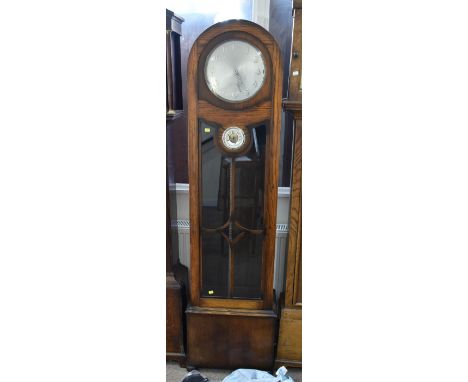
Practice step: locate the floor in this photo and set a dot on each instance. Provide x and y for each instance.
(175, 373)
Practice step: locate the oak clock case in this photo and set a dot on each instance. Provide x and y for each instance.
(289, 349)
(234, 106)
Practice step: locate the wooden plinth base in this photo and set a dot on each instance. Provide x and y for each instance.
(289, 351)
(230, 338)
(174, 326)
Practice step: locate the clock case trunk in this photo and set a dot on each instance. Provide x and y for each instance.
(233, 332)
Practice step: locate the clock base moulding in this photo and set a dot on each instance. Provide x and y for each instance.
(231, 338)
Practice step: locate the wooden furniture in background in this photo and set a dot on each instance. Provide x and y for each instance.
(174, 101)
(231, 318)
(174, 303)
(280, 27)
(289, 351)
(175, 291)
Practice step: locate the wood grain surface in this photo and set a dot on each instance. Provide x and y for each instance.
(227, 340)
(293, 269)
(233, 332)
(289, 351)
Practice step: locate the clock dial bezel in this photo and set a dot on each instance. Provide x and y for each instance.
(229, 151)
(264, 92)
(228, 142)
(208, 82)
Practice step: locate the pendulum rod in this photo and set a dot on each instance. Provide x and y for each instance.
(232, 207)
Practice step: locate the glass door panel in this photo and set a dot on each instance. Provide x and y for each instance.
(232, 232)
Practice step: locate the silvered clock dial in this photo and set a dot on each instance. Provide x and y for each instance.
(233, 138)
(235, 71)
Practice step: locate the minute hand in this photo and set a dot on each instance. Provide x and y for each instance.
(239, 79)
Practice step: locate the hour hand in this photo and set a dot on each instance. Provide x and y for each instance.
(239, 80)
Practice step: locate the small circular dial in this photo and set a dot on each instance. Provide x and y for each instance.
(233, 138)
(235, 71)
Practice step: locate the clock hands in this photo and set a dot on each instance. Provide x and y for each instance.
(239, 80)
(235, 71)
(233, 136)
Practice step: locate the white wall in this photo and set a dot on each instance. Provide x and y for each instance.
(261, 13)
(182, 190)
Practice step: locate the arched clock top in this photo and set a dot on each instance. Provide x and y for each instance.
(249, 77)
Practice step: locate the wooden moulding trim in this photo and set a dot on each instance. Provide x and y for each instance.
(171, 282)
(297, 4)
(272, 177)
(295, 81)
(295, 227)
(255, 114)
(294, 107)
(231, 312)
(291, 313)
(298, 264)
(169, 82)
(175, 356)
(239, 26)
(173, 22)
(288, 363)
(230, 303)
(193, 174)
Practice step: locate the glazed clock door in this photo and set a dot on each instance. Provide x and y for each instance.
(232, 211)
(234, 106)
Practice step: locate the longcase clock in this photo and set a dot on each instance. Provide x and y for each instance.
(289, 352)
(234, 118)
